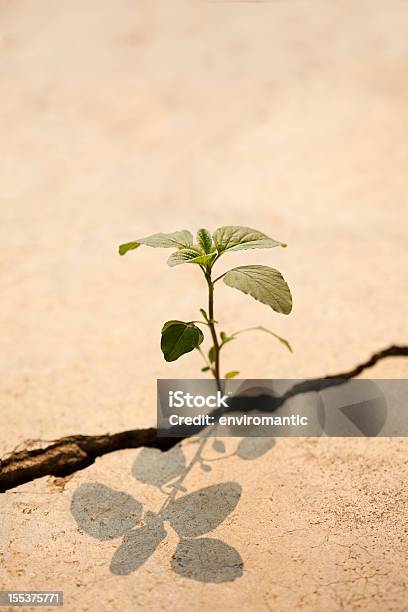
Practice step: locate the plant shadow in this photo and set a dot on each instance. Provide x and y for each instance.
(106, 514)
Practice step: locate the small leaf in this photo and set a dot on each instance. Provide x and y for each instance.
(205, 467)
(205, 369)
(205, 315)
(232, 374)
(154, 467)
(236, 238)
(218, 446)
(189, 255)
(284, 341)
(182, 238)
(204, 240)
(211, 355)
(183, 255)
(225, 339)
(206, 259)
(179, 338)
(128, 246)
(264, 284)
(207, 560)
(104, 513)
(202, 511)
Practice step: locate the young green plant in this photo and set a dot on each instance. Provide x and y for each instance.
(263, 283)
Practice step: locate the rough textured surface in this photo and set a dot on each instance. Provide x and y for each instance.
(35, 458)
(319, 525)
(119, 119)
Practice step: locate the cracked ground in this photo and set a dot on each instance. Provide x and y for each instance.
(120, 120)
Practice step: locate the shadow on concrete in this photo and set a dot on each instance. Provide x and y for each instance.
(105, 513)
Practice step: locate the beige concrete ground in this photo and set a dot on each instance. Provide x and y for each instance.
(119, 119)
(320, 525)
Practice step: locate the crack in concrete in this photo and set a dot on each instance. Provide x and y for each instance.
(72, 453)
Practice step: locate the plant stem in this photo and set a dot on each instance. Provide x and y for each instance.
(266, 330)
(219, 278)
(215, 370)
(211, 325)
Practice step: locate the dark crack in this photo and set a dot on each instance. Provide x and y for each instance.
(67, 455)
(391, 351)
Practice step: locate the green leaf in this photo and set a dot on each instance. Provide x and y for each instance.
(205, 369)
(128, 246)
(183, 255)
(182, 238)
(237, 238)
(265, 284)
(231, 374)
(205, 315)
(211, 355)
(225, 338)
(204, 240)
(178, 338)
(206, 259)
(189, 255)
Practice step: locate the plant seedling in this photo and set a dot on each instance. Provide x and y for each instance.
(263, 283)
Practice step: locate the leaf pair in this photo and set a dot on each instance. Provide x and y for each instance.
(263, 283)
(208, 247)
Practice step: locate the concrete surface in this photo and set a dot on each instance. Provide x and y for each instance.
(327, 532)
(120, 119)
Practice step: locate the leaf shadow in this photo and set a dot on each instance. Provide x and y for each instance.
(105, 513)
(137, 546)
(202, 511)
(207, 560)
(152, 466)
